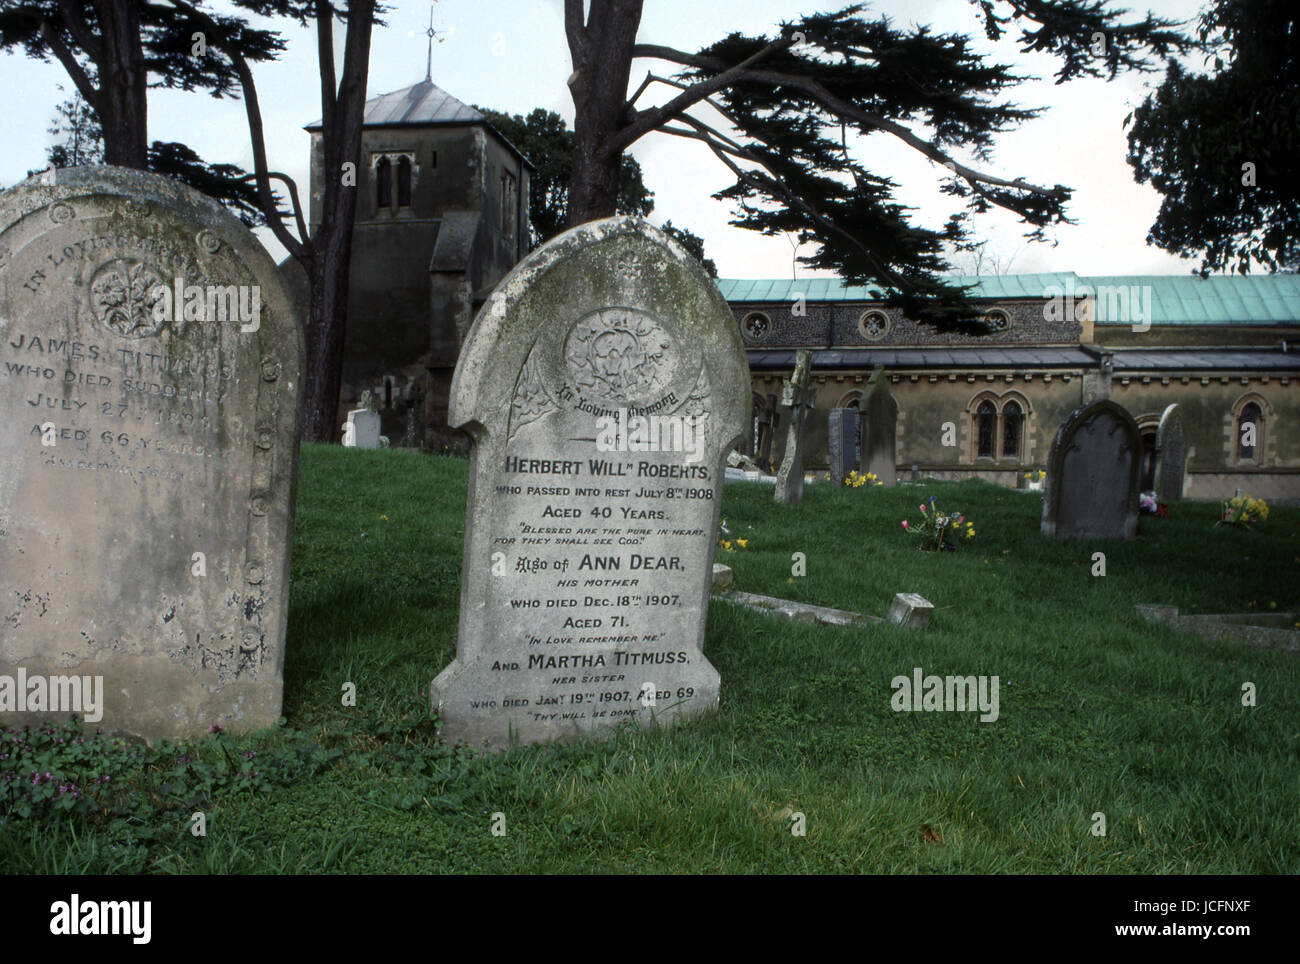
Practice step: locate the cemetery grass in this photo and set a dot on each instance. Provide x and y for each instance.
(1099, 712)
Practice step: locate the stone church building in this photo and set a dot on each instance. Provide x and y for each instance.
(442, 215)
(1223, 348)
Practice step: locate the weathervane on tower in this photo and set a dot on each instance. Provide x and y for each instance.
(430, 33)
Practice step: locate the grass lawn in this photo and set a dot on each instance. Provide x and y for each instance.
(1099, 712)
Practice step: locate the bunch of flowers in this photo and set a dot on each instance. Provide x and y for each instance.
(855, 479)
(1036, 476)
(938, 529)
(725, 542)
(1147, 503)
(1243, 510)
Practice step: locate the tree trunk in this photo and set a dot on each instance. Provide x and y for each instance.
(602, 62)
(332, 243)
(123, 86)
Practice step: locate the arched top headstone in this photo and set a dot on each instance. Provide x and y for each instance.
(602, 384)
(1171, 455)
(1091, 489)
(148, 452)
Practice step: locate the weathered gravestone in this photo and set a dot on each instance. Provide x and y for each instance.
(879, 428)
(796, 400)
(362, 428)
(602, 385)
(148, 456)
(1171, 455)
(842, 442)
(1091, 488)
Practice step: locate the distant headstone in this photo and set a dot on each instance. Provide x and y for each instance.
(842, 442)
(362, 429)
(602, 385)
(879, 428)
(1092, 475)
(148, 453)
(1171, 455)
(796, 400)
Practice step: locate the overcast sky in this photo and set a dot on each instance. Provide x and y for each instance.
(511, 55)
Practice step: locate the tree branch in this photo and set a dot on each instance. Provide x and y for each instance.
(721, 148)
(79, 76)
(329, 92)
(300, 249)
(834, 105)
(575, 31)
(80, 30)
(647, 120)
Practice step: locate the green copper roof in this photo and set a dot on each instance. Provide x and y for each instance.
(1174, 299)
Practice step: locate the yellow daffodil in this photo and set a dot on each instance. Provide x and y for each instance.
(743, 543)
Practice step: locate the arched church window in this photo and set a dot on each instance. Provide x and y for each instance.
(1012, 421)
(384, 183)
(404, 182)
(986, 418)
(1250, 424)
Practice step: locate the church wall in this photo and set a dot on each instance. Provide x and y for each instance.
(927, 399)
(840, 325)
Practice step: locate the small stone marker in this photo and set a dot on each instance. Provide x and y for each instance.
(796, 399)
(601, 385)
(1091, 490)
(1171, 456)
(148, 454)
(910, 610)
(362, 428)
(842, 442)
(879, 428)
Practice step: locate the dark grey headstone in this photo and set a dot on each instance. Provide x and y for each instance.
(1092, 475)
(842, 442)
(1171, 455)
(879, 428)
(145, 537)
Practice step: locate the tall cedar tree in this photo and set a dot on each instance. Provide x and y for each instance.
(792, 97)
(114, 51)
(1194, 137)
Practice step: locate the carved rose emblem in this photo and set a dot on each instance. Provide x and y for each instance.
(123, 295)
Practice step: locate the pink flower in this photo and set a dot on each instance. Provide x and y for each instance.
(904, 523)
(922, 506)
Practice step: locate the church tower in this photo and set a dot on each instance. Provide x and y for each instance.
(442, 215)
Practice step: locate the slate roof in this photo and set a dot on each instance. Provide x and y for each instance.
(1182, 300)
(1009, 356)
(423, 104)
(1216, 360)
